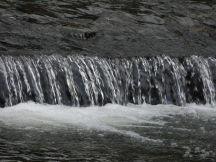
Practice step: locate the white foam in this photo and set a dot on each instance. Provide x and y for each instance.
(110, 117)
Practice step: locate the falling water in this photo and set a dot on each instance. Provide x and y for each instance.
(84, 81)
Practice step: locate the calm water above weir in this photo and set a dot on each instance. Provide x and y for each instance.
(108, 28)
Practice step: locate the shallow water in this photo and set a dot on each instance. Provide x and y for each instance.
(120, 27)
(34, 132)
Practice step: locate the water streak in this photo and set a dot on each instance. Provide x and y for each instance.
(83, 81)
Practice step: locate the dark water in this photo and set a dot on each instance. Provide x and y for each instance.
(108, 28)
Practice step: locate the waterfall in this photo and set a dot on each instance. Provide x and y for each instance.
(83, 80)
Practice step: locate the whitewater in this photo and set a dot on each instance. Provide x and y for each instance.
(33, 131)
(111, 117)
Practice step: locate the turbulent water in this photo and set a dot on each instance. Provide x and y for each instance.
(84, 81)
(111, 113)
(35, 132)
(104, 80)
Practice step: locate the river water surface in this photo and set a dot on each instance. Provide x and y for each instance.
(108, 28)
(35, 132)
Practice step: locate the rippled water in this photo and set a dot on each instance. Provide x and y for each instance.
(117, 28)
(35, 132)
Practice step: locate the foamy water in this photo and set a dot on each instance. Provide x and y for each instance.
(111, 117)
(109, 132)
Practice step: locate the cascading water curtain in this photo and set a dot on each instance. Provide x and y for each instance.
(83, 81)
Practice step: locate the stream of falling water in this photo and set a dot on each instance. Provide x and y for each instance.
(84, 81)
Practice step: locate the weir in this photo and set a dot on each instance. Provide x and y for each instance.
(83, 80)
